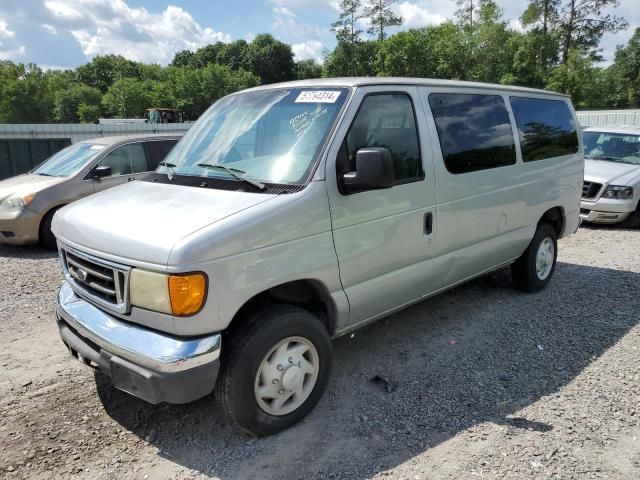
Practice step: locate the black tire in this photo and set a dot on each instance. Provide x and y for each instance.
(633, 221)
(523, 271)
(242, 353)
(46, 236)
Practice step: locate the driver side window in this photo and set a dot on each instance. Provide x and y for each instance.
(388, 121)
(126, 159)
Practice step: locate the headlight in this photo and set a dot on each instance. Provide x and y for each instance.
(17, 202)
(618, 192)
(179, 295)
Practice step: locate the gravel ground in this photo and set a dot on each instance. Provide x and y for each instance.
(491, 383)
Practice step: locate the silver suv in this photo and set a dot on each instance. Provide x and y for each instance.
(293, 213)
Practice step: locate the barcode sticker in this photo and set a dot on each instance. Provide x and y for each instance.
(318, 96)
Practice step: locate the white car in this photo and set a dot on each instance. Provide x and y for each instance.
(611, 187)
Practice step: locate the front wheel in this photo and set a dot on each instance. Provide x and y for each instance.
(534, 269)
(46, 236)
(274, 370)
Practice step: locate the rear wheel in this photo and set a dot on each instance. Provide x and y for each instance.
(534, 269)
(47, 238)
(274, 370)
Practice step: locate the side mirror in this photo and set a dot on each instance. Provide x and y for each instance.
(102, 171)
(374, 171)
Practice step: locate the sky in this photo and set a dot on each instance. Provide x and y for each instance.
(67, 33)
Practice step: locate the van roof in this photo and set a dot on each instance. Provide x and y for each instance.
(366, 81)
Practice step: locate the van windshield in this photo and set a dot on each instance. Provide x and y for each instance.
(69, 161)
(270, 136)
(614, 147)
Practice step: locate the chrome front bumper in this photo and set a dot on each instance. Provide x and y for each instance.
(151, 365)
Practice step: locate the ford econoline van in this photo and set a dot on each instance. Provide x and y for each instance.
(293, 213)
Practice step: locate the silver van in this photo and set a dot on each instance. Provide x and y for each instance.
(293, 213)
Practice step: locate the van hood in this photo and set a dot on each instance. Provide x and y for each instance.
(611, 173)
(142, 221)
(27, 184)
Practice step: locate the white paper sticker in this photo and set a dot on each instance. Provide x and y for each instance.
(96, 147)
(318, 96)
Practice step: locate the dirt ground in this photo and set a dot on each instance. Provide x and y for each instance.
(491, 383)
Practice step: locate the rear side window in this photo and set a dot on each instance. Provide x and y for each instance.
(388, 121)
(157, 150)
(474, 131)
(546, 128)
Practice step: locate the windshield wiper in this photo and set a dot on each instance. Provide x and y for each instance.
(171, 168)
(608, 159)
(234, 172)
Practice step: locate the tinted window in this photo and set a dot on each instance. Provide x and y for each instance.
(474, 131)
(387, 121)
(546, 128)
(126, 160)
(158, 149)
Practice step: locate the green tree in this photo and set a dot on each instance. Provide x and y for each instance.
(538, 50)
(363, 60)
(270, 59)
(491, 42)
(127, 98)
(381, 16)
(206, 55)
(233, 55)
(25, 96)
(582, 24)
(308, 69)
(68, 101)
(624, 75)
(580, 79)
(346, 27)
(183, 58)
(89, 113)
(103, 70)
(465, 12)
(194, 90)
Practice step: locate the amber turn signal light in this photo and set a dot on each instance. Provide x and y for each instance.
(187, 293)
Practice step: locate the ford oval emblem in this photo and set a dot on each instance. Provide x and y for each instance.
(82, 275)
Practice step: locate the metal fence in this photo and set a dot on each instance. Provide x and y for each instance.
(25, 146)
(608, 118)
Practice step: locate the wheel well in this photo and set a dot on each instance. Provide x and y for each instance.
(554, 217)
(51, 211)
(308, 294)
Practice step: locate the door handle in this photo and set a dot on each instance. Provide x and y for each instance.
(428, 223)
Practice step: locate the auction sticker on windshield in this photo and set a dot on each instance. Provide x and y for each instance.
(318, 96)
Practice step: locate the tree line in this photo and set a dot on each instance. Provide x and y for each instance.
(558, 48)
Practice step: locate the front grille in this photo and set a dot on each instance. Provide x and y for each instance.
(590, 189)
(98, 280)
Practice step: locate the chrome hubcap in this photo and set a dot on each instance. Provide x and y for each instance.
(286, 376)
(544, 258)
